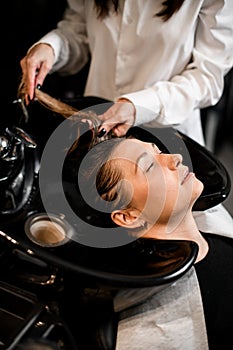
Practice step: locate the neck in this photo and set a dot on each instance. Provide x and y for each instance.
(185, 230)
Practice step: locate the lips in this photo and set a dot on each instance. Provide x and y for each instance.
(185, 175)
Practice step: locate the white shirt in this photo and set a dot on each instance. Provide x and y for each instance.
(172, 68)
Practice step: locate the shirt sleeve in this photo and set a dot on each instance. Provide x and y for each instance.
(201, 82)
(69, 40)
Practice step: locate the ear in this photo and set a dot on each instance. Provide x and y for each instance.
(127, 218)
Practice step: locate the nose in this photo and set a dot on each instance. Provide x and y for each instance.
(175, 161)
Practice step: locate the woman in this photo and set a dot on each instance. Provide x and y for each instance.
(151, 195)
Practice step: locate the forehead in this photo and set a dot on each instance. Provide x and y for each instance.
(130, 149)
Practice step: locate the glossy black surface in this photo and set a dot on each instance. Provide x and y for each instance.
(142, 263)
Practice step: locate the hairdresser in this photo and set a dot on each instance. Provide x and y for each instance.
(169, 57)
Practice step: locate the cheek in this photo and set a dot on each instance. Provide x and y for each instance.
(173, 193)
(187, 195)
(140, 195)
(176, 197)
(155, 197)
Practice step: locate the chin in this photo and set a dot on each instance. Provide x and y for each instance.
(197, 189)
(200, 186)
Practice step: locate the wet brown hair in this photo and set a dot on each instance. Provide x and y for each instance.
(67, 111)
(103, 172)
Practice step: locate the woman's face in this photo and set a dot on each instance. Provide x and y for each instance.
(161, 187)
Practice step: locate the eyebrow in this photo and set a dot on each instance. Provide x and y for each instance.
(138, 159)
(154, 146)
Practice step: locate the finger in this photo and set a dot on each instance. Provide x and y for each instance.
(121, 130)
(89, 122)
(41, 74)
(102, 132)
(26, 100)
(30, 81)
(105, 128)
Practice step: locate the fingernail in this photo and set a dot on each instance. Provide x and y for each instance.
(38, 86)
(102, 133)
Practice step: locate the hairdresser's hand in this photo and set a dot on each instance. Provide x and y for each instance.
(35, 66)
(118, 118)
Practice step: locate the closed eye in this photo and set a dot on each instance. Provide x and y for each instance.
(157, 151)
(150, 167)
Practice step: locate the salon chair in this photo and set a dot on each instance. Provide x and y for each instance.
(62, 292)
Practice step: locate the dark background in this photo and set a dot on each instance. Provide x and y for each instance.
(27, 20)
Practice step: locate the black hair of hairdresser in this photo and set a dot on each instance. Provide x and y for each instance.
(169, 7)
